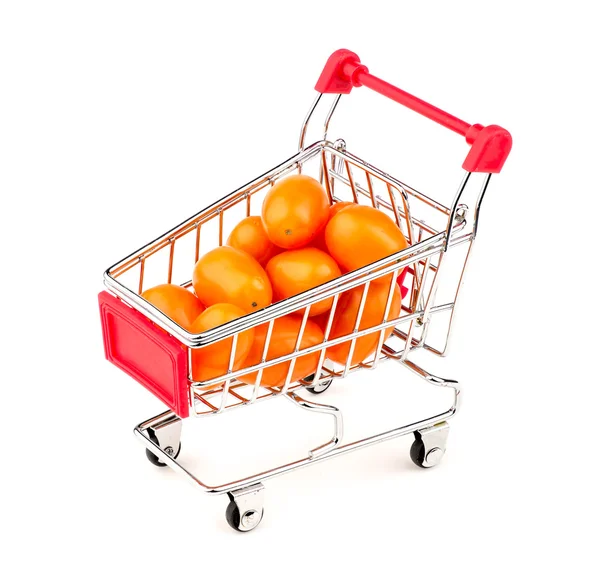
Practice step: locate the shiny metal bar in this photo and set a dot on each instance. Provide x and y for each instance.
(338, 426)
(191, 393)
(361, 307)
(171, 256)
(351, 180)
(317, 376)
(416, 279)
(422, 283)
(394, 206)
(225, 393)
(141, 282)
(296, 348)
(330, 178)
(370, 187)
(324, 178)
(141, 433)
(259, 374)
(444, 351)
(212, 407)
(221, 228)
(386, 314)
(418, 303)
(198, 226)
(410, 230)
(332, 109)
(325, 129)
(409, 341)
(306, 121)
(484, 187)
(453, 210)
(429, 303)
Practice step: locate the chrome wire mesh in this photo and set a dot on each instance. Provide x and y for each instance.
(423, 221)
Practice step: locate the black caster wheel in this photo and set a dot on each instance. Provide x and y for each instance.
(153, 458)
(417, 452)
(249, 522)
(319, 388)
(430, 454)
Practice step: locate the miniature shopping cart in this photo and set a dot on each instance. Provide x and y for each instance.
(156, 352)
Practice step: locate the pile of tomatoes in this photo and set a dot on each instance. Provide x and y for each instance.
(300, 241)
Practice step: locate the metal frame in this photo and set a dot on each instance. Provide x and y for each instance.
(332, 449)
(428, 248)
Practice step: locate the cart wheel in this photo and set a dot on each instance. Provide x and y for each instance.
(249, 522)
(154, 459)
(429, 445)
(320, 387)
(417, 452)
(245, 509)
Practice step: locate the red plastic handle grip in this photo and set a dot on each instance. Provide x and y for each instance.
(490, 145)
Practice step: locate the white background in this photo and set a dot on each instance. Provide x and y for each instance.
(120, 118)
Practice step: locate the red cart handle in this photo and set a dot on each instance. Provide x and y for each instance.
(490, 145)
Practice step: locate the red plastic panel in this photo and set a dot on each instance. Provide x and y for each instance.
(144, 351)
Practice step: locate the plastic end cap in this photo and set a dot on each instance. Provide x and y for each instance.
(340, 73)
(490, 148)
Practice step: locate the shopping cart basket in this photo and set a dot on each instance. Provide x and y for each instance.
(156, 352)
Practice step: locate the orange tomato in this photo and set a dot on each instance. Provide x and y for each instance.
(250, 236)
(359, 234)
(295, 271)
(373, 313)
(227, 275)
(319, 241)
(175, 302)
(283, 342)
(294, 211)
(213, 360)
